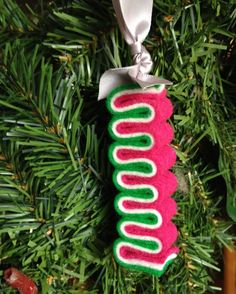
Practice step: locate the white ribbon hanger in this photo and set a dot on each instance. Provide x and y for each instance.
(134, 19)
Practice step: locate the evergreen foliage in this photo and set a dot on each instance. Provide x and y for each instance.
(57, 221)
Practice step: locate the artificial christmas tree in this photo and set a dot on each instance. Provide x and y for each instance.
(57, 221)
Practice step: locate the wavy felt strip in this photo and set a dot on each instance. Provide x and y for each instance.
(142, 158)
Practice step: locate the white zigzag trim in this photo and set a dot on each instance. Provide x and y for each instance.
(138, 262)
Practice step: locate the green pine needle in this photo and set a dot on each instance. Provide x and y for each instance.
(57, 221)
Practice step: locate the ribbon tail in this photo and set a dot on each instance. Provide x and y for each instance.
(146, 80)
(152, 82)
(113, 78)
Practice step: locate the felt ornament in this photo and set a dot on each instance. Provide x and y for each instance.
(141, 152)
(142, 158)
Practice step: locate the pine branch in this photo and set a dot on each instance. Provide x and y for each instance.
(56, 194)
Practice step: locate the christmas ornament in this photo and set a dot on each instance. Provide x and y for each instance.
(141, 154)
(19, 281)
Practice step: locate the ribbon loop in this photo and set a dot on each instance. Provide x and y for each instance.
(134, 19)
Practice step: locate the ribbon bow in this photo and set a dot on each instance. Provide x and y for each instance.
(134, 19)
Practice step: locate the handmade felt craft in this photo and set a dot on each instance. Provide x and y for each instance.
(142, 158)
